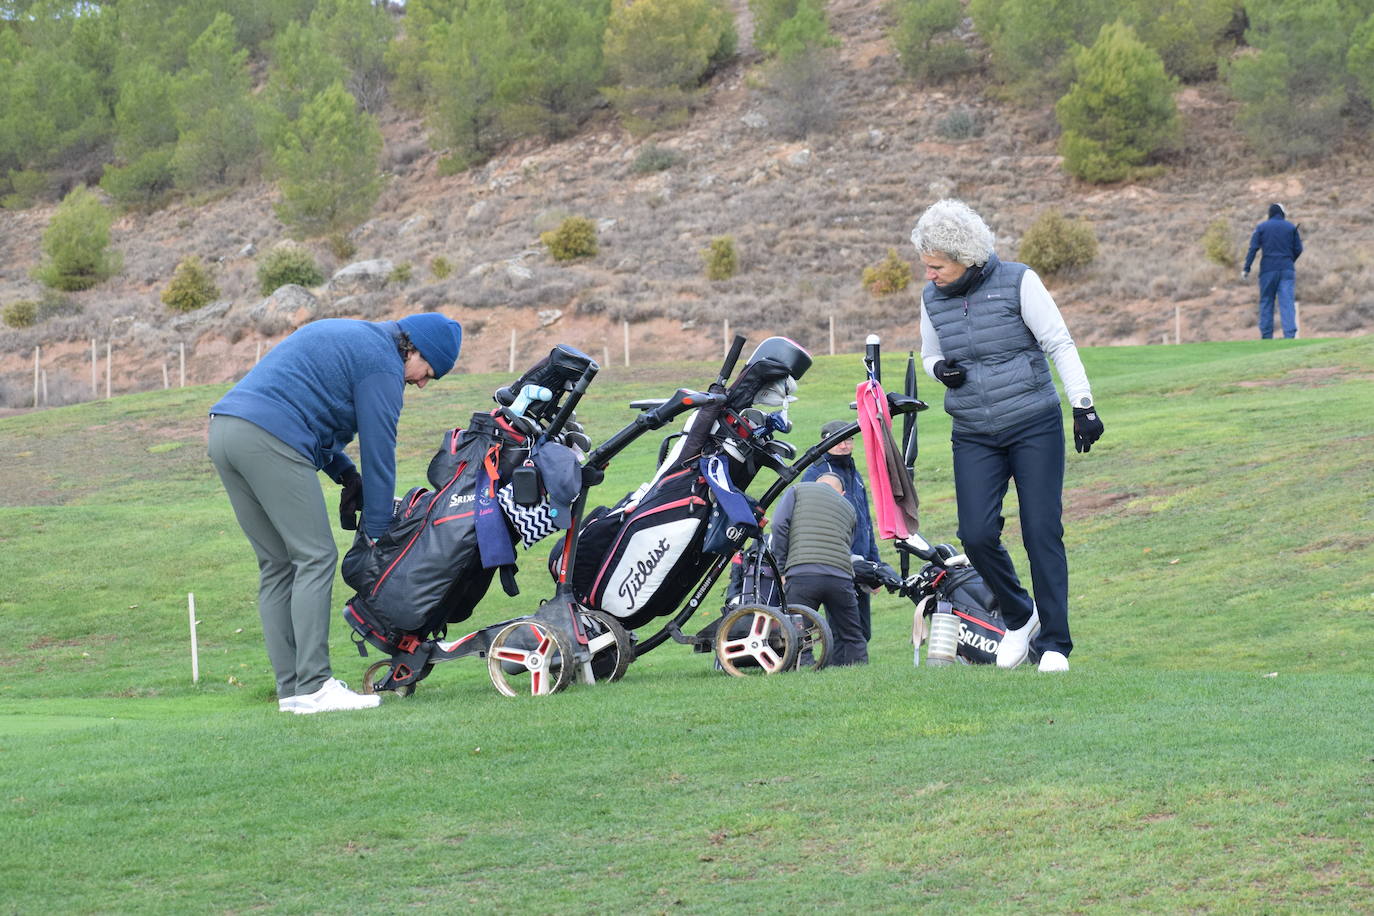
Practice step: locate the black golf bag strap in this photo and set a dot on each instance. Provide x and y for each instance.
(508, 579)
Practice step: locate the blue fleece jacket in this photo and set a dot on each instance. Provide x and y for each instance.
(325, 383)
(1281, 243)
(864, 544)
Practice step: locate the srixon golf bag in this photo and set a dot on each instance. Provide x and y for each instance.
(426, 571)
(449, 540)
(638, 559)
(970, 599)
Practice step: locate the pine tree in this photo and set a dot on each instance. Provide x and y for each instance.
(563, 66)
(216, 122)
(1120, 109)
(328, 165)
(659, 51)
(76, 243)
(473, 71)
(357, 33)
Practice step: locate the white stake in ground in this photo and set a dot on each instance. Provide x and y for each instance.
(195, 652)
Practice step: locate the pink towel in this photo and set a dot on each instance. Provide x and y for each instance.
(894, 493)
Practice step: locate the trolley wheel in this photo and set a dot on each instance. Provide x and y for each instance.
(377, 675)
(816, 640)
(530, 657)
(754, 639)
(610, 645)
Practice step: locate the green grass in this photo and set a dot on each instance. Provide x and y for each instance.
(1209, 752)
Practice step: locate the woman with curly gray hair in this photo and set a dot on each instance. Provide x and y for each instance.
(986, 328)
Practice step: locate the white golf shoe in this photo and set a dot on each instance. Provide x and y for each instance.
(1054, 661)
(1015, 644)
(334, 695)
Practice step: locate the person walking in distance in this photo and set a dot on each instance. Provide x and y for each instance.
(290, 418)
(812, 530)
(987, 326)
(1282, 246)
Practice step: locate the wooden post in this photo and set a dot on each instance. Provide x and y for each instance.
(166, 383)
(183, 363)
(1297, 319)
(45, 387)
(605, 355)
(95, 382)
(108, 349)
(625, 326)
(37, 361)
(511, 367)
(832, 335)
(195, 649)
(725, 336)
(259, 358)
(1178, 325)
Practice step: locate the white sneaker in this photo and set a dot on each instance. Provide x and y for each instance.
(1054, 661)
(288, 704)
(334, 695)
(1015, 644)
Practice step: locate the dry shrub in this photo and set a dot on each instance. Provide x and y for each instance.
(722, 261)
(1217, 243)
(1053, 244)
(574, 238)
(891, 275)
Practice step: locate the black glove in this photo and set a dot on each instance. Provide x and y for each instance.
(1087, 428)
(351, 499)
(949, 373)
(888, 577)
(865, 574)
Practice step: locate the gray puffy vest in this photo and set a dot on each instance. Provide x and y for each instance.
(821, 529)
(1008, 375)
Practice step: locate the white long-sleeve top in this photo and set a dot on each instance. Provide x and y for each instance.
(1041, 315)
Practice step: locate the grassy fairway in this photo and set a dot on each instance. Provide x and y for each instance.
(1210, 750)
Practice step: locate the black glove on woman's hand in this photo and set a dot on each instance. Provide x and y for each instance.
(351, 499)
(1087, 428)
(949, 373)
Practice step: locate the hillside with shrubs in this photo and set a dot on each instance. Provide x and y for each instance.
(202, 177)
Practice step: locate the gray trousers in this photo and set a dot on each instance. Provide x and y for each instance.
(276, 495)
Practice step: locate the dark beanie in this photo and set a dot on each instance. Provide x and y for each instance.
(833, 426)
(1277, 210)
(437, 337)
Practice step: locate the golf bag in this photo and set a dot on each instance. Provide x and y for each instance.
(969, 598)
(427, 570)
(449, 540)
(638, 559)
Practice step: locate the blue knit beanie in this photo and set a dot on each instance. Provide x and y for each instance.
(437, 337)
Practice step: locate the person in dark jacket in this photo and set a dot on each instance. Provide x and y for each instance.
(289, 418)
(1282, 246)
(986, 328)
(839, 461)
(811, 533)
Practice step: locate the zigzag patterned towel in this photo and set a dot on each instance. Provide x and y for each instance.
(534, 523)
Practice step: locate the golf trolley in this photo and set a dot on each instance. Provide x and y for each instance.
(664, 547)
(410, 588)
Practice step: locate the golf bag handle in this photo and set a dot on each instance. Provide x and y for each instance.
(566, 410)
(732, 357)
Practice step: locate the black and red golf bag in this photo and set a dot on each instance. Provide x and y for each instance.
(449, 540)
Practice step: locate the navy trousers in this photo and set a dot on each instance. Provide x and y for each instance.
(835, 593)
(984, 464)
(1278, 284)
